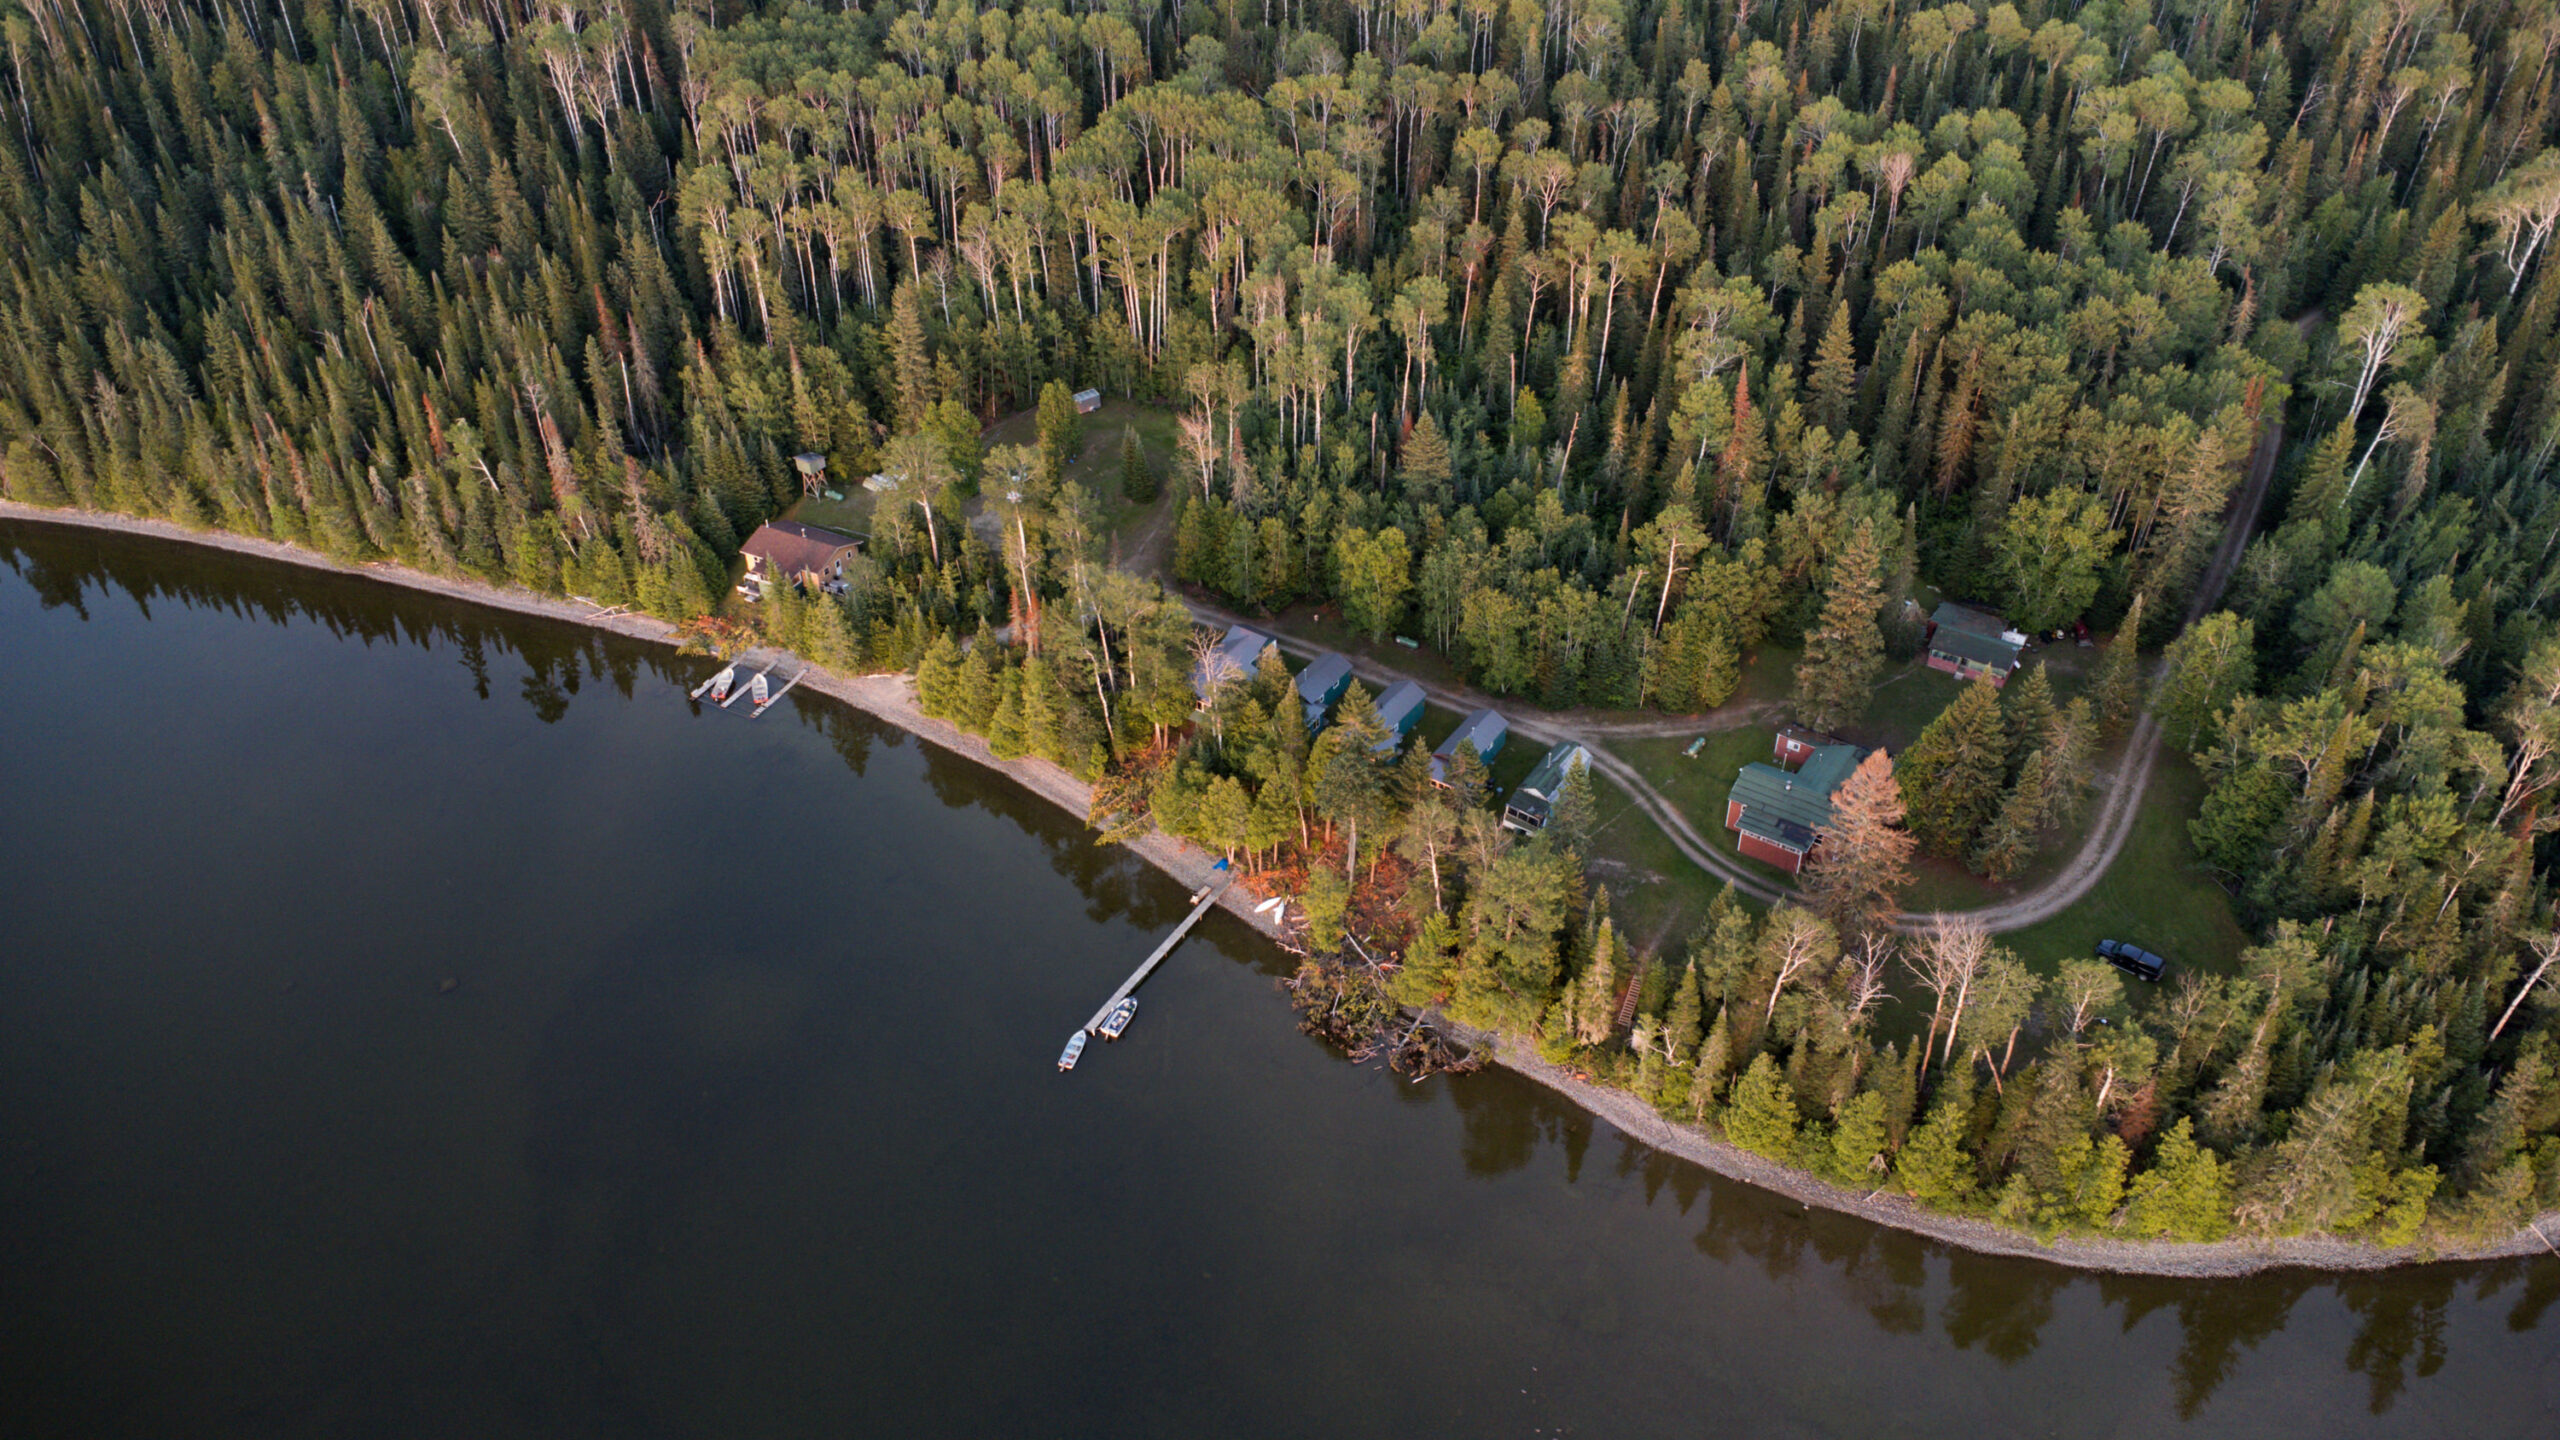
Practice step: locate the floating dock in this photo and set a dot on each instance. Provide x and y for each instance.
(755, 683)
(767, 702)
(1219, 880)
(717, 687)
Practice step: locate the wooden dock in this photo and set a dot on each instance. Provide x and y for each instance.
(1218, 883)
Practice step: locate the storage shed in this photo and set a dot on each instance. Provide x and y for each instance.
(1088, 401)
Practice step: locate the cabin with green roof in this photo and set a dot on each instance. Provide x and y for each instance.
(1533, 804)
(1777, 815)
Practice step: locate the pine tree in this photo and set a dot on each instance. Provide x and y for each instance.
(1863, 862)
(1844, 650)
(1951, 776)
(2185, 1194)
(1933, 1166)
(2118, 682)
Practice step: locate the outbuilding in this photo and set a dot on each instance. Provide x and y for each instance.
(1088, 401)
(1485, 729)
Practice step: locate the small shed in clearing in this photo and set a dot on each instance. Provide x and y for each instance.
(1233, 659)
(1399, 709)
(788, 550)
(1088, 401)
(1965, 642)
(1485, 729)
(1322, 683)
(1533, 804)
(1779, 816)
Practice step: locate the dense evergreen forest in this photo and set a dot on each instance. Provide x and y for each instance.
(1595, 343)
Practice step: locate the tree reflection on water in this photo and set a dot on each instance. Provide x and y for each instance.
(1997, 1307)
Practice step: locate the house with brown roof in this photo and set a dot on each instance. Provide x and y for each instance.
(787, 549)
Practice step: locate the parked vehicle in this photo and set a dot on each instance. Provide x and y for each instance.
(2132, 959)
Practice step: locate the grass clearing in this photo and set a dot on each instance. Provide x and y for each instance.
(2154, 895)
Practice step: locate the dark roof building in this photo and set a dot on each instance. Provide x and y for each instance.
(1778, 815)
(1485, 729)
(1533, 804)
(1399, 709)
(787, 549)
(1322, 683)
(1234, 659)
(1965, 642)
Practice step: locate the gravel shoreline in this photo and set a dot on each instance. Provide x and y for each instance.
(891, 698)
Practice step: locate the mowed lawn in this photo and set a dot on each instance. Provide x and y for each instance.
(2154, 895)
(1096, 463)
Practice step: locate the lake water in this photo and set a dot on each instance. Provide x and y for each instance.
(421, 1021)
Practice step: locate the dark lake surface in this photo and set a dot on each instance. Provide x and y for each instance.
(421, 1021)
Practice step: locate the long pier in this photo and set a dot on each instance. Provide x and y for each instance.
(1217, 887)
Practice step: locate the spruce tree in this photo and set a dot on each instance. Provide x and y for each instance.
(1843, 651)
(1422, 472)
(2010, 840)
(2027, 710)
(1138, 483)
(1951, 776)
(1832, 383)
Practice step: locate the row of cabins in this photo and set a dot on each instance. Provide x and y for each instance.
(1239, 652)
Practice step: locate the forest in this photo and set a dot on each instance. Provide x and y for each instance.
(1478, 322)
